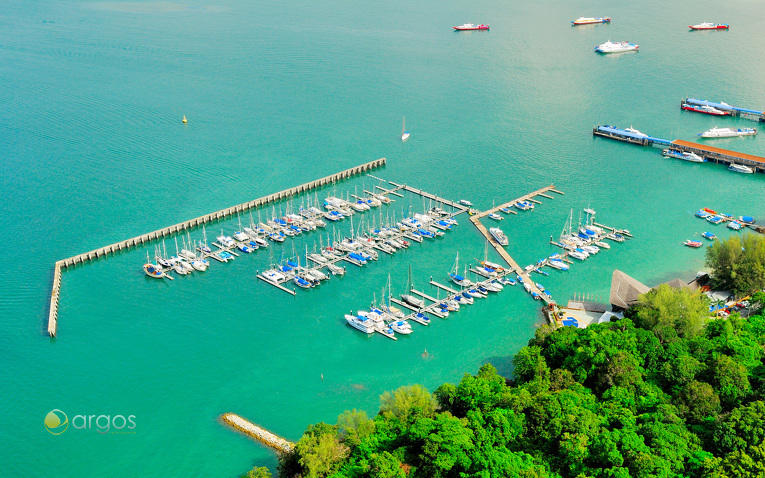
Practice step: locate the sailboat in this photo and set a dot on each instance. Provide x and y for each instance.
(408, 297)
(404, 132)
(456, 278)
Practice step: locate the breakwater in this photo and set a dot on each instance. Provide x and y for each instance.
(191, 223)
(264, 436)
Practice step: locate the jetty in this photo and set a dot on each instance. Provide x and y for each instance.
(191, 223)
(733, 110)
(709, 153)
(521, 272)
(263, 436)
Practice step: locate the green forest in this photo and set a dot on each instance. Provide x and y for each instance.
(665, 392)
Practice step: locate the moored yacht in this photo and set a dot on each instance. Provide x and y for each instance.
(360, 323)
(153, 270)
(499, 236)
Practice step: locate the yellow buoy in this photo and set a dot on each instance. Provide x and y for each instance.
(184, 119)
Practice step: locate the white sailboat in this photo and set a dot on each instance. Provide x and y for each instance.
(404, 132)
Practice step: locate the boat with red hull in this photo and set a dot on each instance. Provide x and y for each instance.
(471, 26)
(709, 26)
(707, 110)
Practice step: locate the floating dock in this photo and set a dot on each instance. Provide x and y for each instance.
(733, 110)
(263, 436)
(160, 233)
(710, 153)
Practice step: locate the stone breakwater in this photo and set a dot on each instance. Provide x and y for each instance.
(264, 436)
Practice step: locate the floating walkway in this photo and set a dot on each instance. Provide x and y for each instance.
(710, 153)
(215, 216)
(733, 110)
(264, 436)
(476, 220)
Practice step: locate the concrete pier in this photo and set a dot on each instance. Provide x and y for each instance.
(186, 225)
(264, 436)
(527, 197)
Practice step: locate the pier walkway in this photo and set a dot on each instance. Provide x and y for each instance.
(476, 220)
(527, 197)
(199, 221)
(710, 153)
(264, 436)
(420, 192)
(733, 110)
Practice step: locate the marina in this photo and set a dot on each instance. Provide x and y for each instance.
(183, 226)
(704, 151)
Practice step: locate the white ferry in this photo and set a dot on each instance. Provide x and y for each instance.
(684, 155)
(590, 20)
(727, 132)
(740, 168)
(616, 47)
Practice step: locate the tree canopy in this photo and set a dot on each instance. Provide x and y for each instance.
(669, 397)
(738, 263)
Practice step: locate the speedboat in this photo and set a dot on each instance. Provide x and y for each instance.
(590, 20)
(463, 298)
(616, 47)
(401, 327)
(499, 236)
(226, 241)
(413, 301)
(274, 276)
(300, 282)
(746, 220)
(335, 269)
(740, 168)
(361, 323)
(495, 216)
(702, 214)
(475, 294)
(706, 109)
(471, 26)
(727, 132)
(577, 255)
(524, 205)
(708, 235)
(694, 244)
(709, 26)
(735, 225)
(153, 270)
(465, 202)
(715, 219)
(684, 155)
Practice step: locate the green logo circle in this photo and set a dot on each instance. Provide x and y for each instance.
(56, 422)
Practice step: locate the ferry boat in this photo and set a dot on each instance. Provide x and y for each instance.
(361, 323)
(706, 109)
(471, 26)
(727, 132)
(590, 20)
(684, 155)
(709, 26)
(616, 47)
(740, 168)
(708, 235)
(694, 244)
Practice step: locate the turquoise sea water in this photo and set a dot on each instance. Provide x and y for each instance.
(93, 152)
